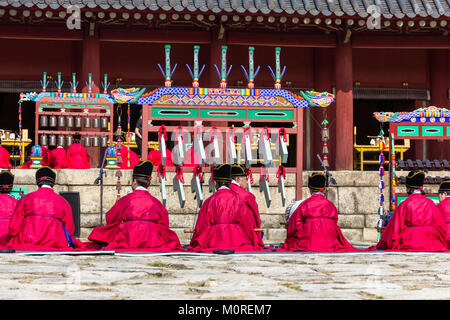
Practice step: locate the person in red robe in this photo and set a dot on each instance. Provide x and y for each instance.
(225, 222)
(58, 158)
(42, 220)
(191, 158)
(313, 225)
(128, 154)
(7, 203)
(138, 221)
(239, 185)
(77, 156)
(416, 224)
(155, 157)
(444, 207)
(4, 158)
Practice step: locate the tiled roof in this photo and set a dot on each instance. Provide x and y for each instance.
(357, 8)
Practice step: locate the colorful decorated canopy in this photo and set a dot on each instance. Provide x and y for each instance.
(429, 114)
(221, 97)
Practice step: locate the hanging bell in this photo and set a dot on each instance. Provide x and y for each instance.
(69, 140)
(87, 122)
(95, 123)
(61, 140)
(104, 123)
(95, 141)
(44, 121)
(61, 121)
(104, 141)
(52, 140)
(78, 122)
(43, 140)
(70, 121)
(52, 121)
(87, 141)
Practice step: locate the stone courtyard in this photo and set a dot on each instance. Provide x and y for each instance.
(296, 276)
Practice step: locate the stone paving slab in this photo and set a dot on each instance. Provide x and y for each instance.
(374, 275)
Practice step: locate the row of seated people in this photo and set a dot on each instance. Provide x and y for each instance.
(228, 219)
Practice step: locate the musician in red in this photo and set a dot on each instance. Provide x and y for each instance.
(128, 155)
(313, 225)
(225, 222)
(138, 221)
(156, 158)
(7, 203)
(444, 206)
(77, 156)
(4, 158)
(42, 220)
(239, 185)
(58, 158)
(416, 224)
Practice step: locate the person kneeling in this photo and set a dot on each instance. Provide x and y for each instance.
(416, 224)
(313, 225)
(138, 221)
(42, 220)
(225, 222)
(444, 207)
(7, 203)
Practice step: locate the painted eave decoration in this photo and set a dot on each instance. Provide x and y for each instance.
(223, 97)
(59, 97)
(429, 114)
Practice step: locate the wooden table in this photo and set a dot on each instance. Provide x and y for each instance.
(376, 148)
(17, 143)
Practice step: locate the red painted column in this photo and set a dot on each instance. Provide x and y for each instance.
(344, 104)
(439, 98)
(90, 60)
(323, 63)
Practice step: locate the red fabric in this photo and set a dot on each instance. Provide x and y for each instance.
(225, 223)
(77, 157)
(58, 158)
(191, 158)
(155, 157)
(250, 200)
(444, 207)
(45, 162)
(126, 154)
(416, 225)
(37, 222)
(4, 158)
(137, 221)
(313, 227)
(7, 205)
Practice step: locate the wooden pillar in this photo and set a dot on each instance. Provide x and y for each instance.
(90, 63)
(90, 60)
(322, 82)
(299, 163)
(439, 98)
(344, 104)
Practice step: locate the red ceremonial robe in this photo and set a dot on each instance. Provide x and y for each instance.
(138, 222)
(191, 158)
(225, 223)
(7, 205)
(58, 158)
(4, 158)
(444, 207)
(77, 157)
(155, 157)
(313, 227)
(250, 200)
(38, 220)
(416, 225)
(126, 154)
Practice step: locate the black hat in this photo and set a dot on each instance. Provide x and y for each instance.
(143, 170)
(222, 173)
(6, 179)
(444, 186)
(317, 181)
(415, 179)
(238, 171)
(45, 174)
